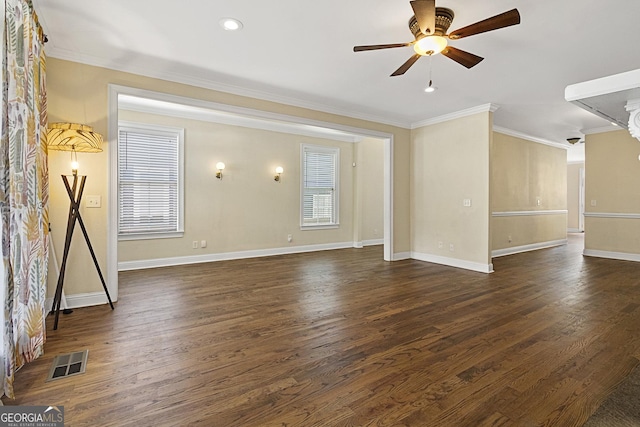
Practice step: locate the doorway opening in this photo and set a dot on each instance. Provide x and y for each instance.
(259, 118)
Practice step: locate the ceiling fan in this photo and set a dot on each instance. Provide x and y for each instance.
(429, 26)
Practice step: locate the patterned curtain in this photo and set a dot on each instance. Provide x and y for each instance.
(24, 190)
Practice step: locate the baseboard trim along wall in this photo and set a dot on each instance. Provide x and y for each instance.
(167, 262)
(574, 230)
(453, 262)
(400, 256)
(364, 243)
(527, 248)
(622, 256)
(80, 300)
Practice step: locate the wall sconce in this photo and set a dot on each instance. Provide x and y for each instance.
(220, 167)
(279, 171)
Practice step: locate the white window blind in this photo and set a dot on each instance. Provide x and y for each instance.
(149, 180)
(319, 185)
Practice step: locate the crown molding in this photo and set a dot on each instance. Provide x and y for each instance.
(204, 83)
(151, 106)
(601, 129)
(456, 115)
(531, 138)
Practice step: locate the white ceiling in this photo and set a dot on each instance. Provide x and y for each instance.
(300, 52)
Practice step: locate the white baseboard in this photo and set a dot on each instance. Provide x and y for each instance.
(196, 259)
(399, 256)
(373, 242)
(453, 262)
(574, 230)
(623, 256)
(80, 300)
(527, 248)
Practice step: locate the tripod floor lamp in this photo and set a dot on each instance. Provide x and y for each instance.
(74, 138)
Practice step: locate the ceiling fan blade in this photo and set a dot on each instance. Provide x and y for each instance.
(425, 12)
(461, 57)
(404, 67)
(506, 19)
(379, 46)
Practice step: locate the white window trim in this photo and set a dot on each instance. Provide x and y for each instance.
(336, 207)
(158, 128)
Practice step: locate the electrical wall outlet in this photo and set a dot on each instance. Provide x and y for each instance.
(93, 201)
(203, 243)
(194, 245)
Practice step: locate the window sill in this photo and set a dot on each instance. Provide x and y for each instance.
(319, 227)
(150, 236)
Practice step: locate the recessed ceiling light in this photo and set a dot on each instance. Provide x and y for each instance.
(230, 24)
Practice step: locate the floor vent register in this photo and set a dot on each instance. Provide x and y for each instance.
(67, 365)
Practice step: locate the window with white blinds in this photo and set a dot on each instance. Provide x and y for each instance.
(150, 181)
(320, 167)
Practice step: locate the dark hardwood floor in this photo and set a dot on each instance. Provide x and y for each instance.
(342, 338)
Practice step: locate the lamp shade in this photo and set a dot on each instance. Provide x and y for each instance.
(73, 137)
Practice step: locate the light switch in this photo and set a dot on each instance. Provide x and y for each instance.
(93, 201)
(466, 203)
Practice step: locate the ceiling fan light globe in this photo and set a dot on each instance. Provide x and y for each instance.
(430, 45)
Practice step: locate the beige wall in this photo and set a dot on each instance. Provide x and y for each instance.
(78, 93)
(528, 231)
(612, 172)
(370, 181)
(450, 163)
(573, 196)
(529, 183)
